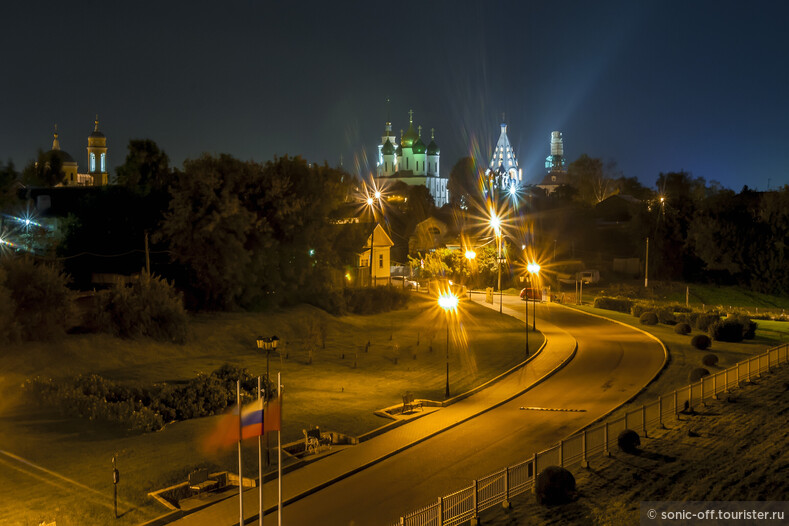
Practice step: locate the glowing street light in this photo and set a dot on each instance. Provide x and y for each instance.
(495, 224)
(267, 344)
(448, 302)
(373, 201)
(534, 270)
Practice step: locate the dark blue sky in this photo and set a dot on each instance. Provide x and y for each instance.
(655, 86)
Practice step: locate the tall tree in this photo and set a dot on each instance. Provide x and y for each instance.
(463, 182)
(146, 169)
(45, 170)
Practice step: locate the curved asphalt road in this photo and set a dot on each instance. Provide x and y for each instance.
(612, 364)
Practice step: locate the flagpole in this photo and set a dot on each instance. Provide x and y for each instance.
(260, 455)
(279, 453)
(240, 477)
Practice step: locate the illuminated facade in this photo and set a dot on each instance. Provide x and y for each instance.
(503, 171)
(411, 161)
(97, 174)
(555, 165)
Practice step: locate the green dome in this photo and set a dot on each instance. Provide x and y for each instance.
(64, 157)
(432, 148)
(388, 148)
(407, 141)
(399, 151)
(419, 146)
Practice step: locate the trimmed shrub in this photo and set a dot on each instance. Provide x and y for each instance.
(697, 374)
(628, 441)
(710, 360)
(748, 325)
(151, 307)
(42, 303)
(704, 320)
(682, 328)
(615, 304)
(648, 318)
(728, 330)
(701, 341)
(682, 318)
(640, 308)
(97, 398)
(681, 308)
(331, 301)
(554, 485)
(375, 300)
(666, 317)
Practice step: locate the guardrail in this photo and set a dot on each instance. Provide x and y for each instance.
(500, 486)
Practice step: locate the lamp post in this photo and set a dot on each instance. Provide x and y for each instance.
(527, 316)
(495, 223)
(371, 202)
(267, 344)
(534, 270)
(448, 302)
(470, 255)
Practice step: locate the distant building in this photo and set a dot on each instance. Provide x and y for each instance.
(503, 171)
(555, 165)
(97, 174)
(411, 161)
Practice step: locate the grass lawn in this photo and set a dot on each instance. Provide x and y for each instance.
(683, 357)
(338, 391)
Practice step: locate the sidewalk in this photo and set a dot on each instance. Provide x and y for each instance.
(559, 348)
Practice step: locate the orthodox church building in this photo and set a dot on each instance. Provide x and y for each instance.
(503, 171)
(411, 161)
(97, 174)
(555, 165)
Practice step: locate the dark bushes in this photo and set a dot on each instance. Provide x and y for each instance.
(701, 341)
(628, 441)
(648, 318)
(615, 304)
(682, 328)
(710, 360)
(733, 329)
(666, 317)
(554, 485)
(640, 308)
(375, 300)
(704, 320)
(97, 398)
(150, 307)
(36, 298)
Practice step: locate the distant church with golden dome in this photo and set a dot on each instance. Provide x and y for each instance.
(97, 174)
(411, 161)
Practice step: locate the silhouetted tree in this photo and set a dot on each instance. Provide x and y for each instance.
(146, 169)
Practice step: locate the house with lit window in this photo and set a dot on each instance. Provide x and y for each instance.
(381, 245)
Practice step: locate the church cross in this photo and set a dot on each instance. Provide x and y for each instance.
(411, 116)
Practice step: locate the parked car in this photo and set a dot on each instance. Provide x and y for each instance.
(531, 294)
(401, 281)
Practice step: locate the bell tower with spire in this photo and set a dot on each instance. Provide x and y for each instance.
(97, 156)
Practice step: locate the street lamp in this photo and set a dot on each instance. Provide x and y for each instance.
(533, 269)
(470, 255)
(448, 302)
(371, 202)
(267, 344)
(495, 224)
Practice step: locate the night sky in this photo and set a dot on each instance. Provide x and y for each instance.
(655, 86)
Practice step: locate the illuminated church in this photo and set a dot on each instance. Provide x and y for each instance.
(503, 171)
(411, 161)
(97, 174)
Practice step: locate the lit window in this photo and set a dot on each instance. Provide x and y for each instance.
(104, 162)
(92, 162)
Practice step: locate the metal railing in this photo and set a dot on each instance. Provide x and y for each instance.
(486, 492)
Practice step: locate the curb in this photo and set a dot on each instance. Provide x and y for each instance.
(338, 478)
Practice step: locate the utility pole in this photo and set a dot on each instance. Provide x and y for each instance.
(147, 256)
(646, 267)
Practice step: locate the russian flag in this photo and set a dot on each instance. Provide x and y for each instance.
(257, 418)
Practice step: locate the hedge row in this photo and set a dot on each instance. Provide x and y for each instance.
(372, 300)
(615, 304)
(97, 398)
